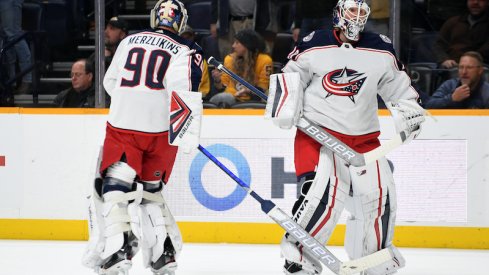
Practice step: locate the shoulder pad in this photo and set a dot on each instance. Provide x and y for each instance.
(318, 38)
(376, 41)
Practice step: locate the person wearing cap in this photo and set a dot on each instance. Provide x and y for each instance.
(247, 60)
(115, 31)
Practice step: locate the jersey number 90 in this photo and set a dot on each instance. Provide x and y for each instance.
(155, 69)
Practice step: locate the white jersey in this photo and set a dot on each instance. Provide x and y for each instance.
(146, 67)
(341, 81)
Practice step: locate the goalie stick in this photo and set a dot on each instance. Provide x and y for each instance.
(310, 245)
(322, 136)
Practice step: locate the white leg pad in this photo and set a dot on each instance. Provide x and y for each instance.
(324, 202)
(373, 211)
(291, 252)
(152, 223)
(91, 257)
(391, 266)
(108, 217)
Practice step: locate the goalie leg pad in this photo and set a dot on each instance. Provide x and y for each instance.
(161, 240)
(111, 242)
(319, 206)
(372, 207)
(324, 201)
(297, 262)
(391, 266)
(284, 103)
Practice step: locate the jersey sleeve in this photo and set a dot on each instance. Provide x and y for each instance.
(299, 62)
(185, 72)
(395, 83)
(197, 68)
(111, 74)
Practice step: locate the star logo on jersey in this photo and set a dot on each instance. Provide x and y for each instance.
(179, 114)
(343, 82)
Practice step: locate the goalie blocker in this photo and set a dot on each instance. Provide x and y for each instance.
(185, 120)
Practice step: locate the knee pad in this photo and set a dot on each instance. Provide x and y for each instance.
(391, 266)
(322, 199)
(372, 206)
(108, 216)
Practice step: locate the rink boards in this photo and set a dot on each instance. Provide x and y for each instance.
(47, 161)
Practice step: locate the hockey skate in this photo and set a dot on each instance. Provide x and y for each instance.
(166, 264)
(291, 268)
(120, 262)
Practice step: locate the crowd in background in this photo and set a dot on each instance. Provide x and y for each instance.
(446, 53)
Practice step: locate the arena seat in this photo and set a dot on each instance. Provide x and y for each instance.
(282, 46)
(199, 17)
(422, 75)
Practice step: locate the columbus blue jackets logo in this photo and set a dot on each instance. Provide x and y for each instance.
(343, 82)
(179, 115)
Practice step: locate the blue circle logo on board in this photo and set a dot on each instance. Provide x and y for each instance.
(196, 184)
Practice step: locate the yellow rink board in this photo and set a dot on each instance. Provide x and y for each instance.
(249, 233)
(221, 112)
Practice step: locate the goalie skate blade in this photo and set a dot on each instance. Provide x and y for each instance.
(120, 268)
(168, 269)
(364, 263)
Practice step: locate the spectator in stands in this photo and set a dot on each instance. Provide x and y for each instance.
(10, 29)
(467, 32)
(312, 15)
(469, 90)
(115, 30)
(231, 16)
(247, 60)
(205, 83)
(81, 94)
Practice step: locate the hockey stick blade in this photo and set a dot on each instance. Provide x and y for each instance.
(366, 262)
(319, 134)
(310, 245)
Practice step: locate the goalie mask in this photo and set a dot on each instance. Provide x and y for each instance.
(169, 13)
(351, 16)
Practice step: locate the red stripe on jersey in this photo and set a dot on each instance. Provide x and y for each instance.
(286, 92)
(333, 199)
(379, 209)
(190, 73)
(2, 160)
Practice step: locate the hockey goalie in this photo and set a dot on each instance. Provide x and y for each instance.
(153, 113)
(333, 78)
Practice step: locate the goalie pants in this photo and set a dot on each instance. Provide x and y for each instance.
(331, 185)
(149, 154)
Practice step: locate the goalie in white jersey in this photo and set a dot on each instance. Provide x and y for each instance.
(341, 73)
(153, 110)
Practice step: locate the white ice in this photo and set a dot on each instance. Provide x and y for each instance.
(63, 258)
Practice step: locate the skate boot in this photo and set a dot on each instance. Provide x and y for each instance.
(166, 264)
(291, 268)
(120, 262)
